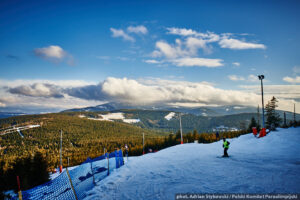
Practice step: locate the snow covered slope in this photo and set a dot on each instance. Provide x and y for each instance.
(266, 165)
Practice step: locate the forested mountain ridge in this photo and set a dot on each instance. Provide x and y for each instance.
(82, 138)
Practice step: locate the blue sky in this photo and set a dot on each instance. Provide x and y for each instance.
(67, 53)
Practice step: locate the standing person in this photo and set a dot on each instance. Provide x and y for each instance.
(217, 135)
(226, 147)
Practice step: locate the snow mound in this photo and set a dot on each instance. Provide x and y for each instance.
(170, 116)
(266, 165)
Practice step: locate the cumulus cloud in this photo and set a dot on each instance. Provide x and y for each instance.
(37, 90)
(193, 44)
(198, 62)
(296, 69)
(137, 29)
(295, 80)
(141, 92)
(151, 61)
(236, 78)
(54, 53)
(2, 104)
(182, 54)
(181, 31)
(170, 51)
(122, 34)
(250, 78)
(162, 92)
(231, 43)
(237, 64)
(208, 36)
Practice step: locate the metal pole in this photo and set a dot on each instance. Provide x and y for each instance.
(295, 114)
(60, 152)
(180, 128)
(262, 99)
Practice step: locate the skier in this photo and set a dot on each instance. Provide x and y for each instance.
(226, 147)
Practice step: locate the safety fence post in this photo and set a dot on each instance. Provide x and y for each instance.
(117, 159)
(19, 188)
(71, 184)
(93, 172)
(107, 156)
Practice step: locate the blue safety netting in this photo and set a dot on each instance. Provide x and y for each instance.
(83, 179)
(58, 188)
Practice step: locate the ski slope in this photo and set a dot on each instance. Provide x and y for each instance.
(266, 165)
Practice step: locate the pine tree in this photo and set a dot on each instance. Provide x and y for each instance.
(273, 118)
(39, 169)
(252, 124)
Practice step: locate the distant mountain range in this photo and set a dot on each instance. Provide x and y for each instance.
(205, 111)
(9, 114)
(201, 118)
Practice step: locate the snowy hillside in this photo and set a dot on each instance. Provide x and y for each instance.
(111, 117)
(266, 165)
(170, 116)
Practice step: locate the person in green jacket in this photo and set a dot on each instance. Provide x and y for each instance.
(226, 147)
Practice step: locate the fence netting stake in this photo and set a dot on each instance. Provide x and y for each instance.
(71, 184)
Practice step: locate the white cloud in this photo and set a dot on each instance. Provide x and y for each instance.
(286, 94)
(184, 57)
(168, 50)
(151, 61)
(122, 34)
(231, 43)
(37, 90)
(193, 44)
(181, 31)
(103, 57)
(144, 92)
(292, 80)
(198, 62)
(52, 51)
(137, 29)
(237, 64)
(252, 78)
(208, 36)
(134, 92)
(236, 78)
(296, 69)
(2, 104)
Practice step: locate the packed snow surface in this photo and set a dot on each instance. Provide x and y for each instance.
(266, 165)
(170, 116)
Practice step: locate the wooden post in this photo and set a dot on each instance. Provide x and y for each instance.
(71, 184)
